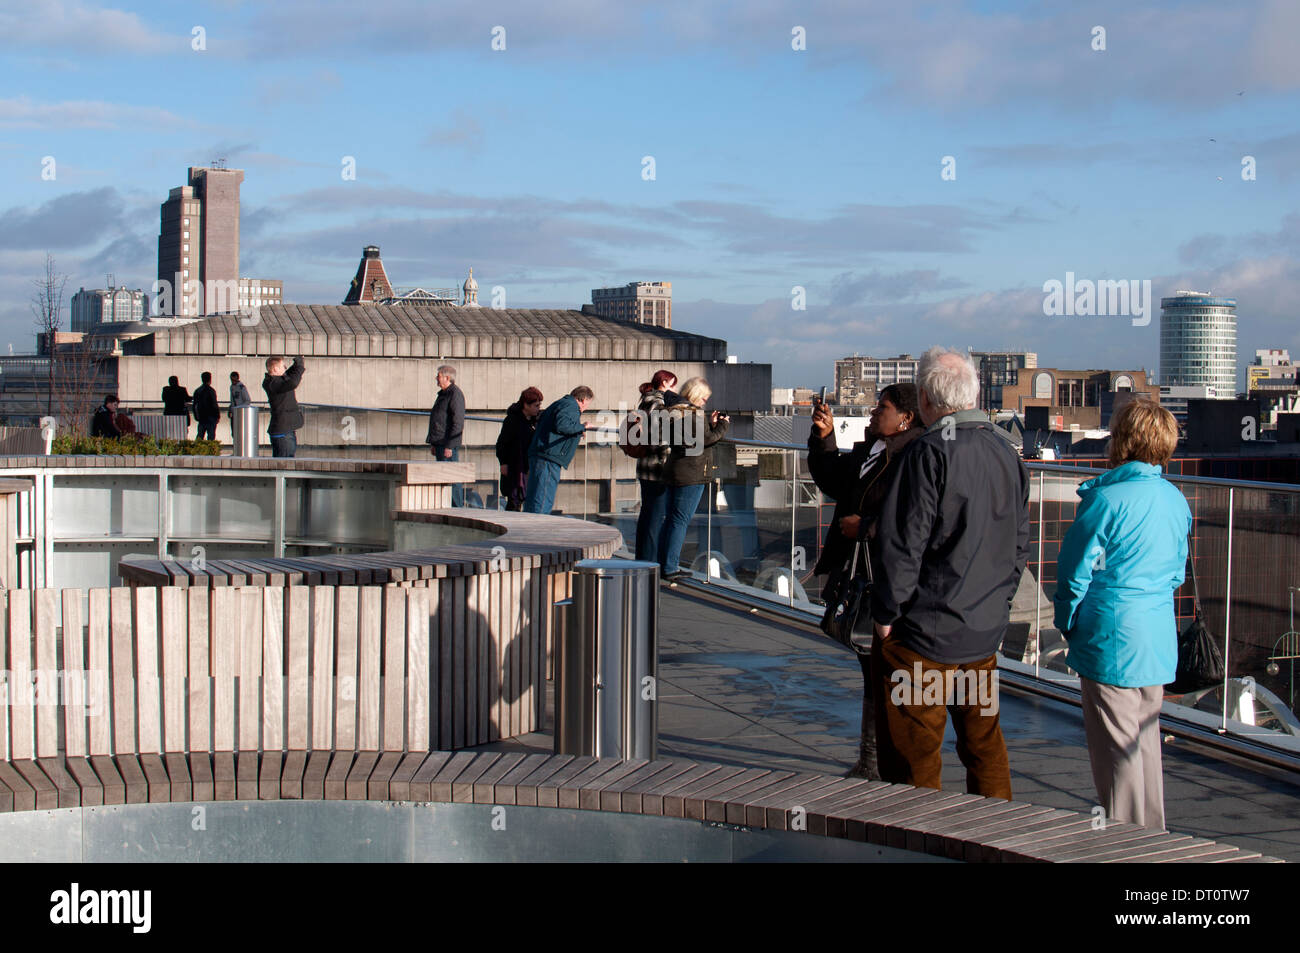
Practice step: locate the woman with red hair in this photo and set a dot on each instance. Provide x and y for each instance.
(512, 446)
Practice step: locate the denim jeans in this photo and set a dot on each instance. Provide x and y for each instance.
(543, 481)
(681, 506)
(457, 489)
(654, 507)
(284, 446)
(208, 429)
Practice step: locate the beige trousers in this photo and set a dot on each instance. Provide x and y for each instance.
(1123, 730)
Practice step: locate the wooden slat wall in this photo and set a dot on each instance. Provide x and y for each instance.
(156, 673)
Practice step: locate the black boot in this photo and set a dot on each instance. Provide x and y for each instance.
(867, 766)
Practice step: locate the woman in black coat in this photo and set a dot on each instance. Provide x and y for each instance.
(858, 482)
(512, 446)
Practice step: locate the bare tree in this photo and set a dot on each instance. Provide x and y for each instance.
(47, 305)
(80, 381)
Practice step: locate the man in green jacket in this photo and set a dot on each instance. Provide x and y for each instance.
(559, 429)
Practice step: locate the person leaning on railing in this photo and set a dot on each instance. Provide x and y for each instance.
(857, 481)
(1120, 564)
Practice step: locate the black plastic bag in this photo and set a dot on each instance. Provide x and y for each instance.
(1200, 661)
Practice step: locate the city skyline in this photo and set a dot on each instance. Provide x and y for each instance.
(822, 168)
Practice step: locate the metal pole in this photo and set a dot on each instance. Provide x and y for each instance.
(1038, 584)
(708, 534)
(1227, 619)
(794, 511)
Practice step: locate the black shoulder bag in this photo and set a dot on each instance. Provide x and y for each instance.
(846, 595)
(1200, 662)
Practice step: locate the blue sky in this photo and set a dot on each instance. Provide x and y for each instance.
(774, 167)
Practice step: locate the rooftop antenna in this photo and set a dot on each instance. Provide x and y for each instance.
(110, 281)
(219, 162)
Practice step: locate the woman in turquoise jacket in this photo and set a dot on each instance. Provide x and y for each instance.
(1120, 564)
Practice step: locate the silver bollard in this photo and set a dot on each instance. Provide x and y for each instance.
(244, 431)
(607, 662)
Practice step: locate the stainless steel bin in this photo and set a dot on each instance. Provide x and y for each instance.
(244, 431)
(607, 661)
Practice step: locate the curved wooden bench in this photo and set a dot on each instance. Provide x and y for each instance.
(944, 824)
(322, 693)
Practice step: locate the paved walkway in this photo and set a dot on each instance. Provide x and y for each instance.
(738, 689)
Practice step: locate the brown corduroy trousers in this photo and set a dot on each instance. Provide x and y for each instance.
(910, 719)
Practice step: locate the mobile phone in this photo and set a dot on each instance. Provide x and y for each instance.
(822, 399)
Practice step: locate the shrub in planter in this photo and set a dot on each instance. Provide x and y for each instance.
(133, 445)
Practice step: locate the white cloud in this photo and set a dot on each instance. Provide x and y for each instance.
(71, 25)
(22, 112)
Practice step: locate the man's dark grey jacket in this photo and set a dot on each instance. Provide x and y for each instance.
(953, 539)
(447, 419)
(285, 415)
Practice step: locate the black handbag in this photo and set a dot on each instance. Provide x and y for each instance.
(847, 593)
(1200, 662)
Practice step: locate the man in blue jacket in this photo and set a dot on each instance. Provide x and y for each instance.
(559, 429)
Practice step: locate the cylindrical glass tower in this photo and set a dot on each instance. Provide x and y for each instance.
(1198, 342)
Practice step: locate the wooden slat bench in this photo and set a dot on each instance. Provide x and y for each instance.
(335, 693)
(943, 824)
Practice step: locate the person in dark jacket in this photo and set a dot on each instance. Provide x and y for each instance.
(952, 541)
(559, 429)
(286, 418)
(238, 398)
(649, 469)
(176, 399)
(207, 410)
(686, 472)
(858, 482)
(446, 424)
(104, 422)
(512, 446)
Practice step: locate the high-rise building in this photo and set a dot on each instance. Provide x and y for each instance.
(646, 302)
(198, 242)
(1198, 342)
(99, 306)
(998, 369)
(859, 379)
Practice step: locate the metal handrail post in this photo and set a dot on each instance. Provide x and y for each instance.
(1227, 619)
(1038, 584)
(794, 512)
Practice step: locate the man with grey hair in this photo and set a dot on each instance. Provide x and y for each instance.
(952, 542)
(446, 424)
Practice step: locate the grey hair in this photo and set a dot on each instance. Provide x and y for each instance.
(696, 387)
(449, 371)
(949, 379)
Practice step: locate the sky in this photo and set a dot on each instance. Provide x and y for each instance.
(815, 179)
